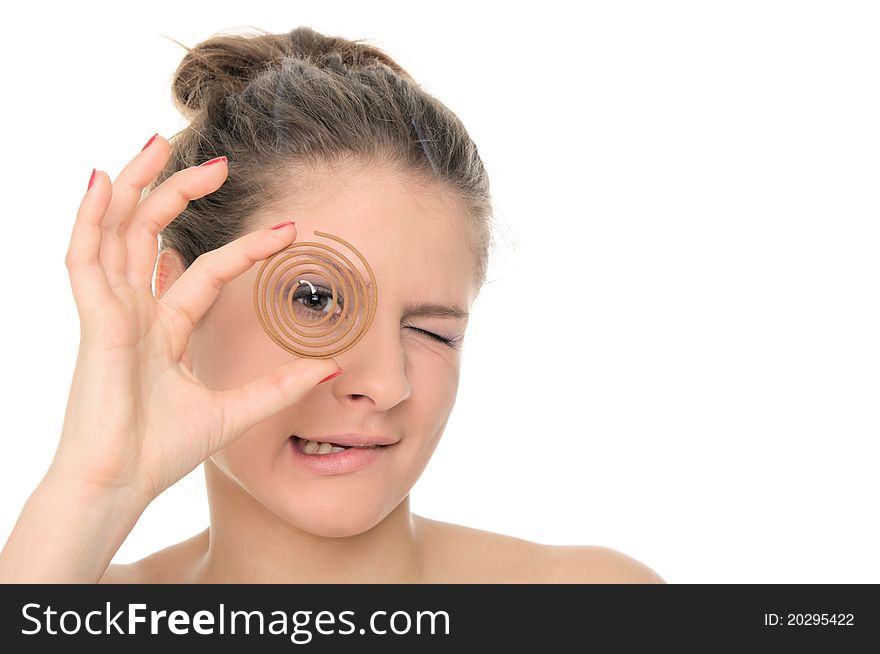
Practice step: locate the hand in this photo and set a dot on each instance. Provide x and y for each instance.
(137, 419)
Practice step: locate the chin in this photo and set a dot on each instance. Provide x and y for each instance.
(333, 520)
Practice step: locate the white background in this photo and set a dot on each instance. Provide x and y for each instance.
(676, 354)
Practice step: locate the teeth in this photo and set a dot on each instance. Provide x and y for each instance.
(316, 447)
(325, 448)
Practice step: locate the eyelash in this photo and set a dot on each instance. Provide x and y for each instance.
(451, 342)
(326, 293)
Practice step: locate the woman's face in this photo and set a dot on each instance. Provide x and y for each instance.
(398, 381)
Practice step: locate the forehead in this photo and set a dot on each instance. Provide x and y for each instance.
(377, 205)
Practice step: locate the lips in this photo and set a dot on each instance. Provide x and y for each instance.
(350, 459)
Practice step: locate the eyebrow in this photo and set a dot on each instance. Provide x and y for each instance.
(430, 309)
(435, 310)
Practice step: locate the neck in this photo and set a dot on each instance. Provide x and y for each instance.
(247, 543)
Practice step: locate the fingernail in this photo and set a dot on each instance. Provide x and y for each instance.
(153, 138)
(328, 378)
(214, 160)
(91, 179)
(284, 224)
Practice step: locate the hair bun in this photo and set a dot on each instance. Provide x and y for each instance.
(338, 53)
(223, 64)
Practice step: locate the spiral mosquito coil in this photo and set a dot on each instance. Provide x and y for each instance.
(280, 286)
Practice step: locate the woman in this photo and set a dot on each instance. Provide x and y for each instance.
(291, 137)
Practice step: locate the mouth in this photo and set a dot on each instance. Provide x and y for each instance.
(334, 459)
(325, 447)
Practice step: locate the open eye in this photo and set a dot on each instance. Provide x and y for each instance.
(316, 300)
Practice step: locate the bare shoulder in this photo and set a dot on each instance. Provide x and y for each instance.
(458, 554)
(170, 565)
(594, 564)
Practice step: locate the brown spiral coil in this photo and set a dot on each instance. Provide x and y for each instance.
(279, 310)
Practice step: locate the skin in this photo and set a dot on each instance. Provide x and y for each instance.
(182, 374)
(273, 524)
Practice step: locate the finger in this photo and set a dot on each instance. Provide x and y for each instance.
(88, 281)
(128, 188)
(158, 209)
(242, 408)
(195, 290)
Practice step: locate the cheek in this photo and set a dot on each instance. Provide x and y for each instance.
(250, 459)
(434, 379)
(434, 387)
(229, 348)
(229, 354)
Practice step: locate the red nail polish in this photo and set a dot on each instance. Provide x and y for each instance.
(328, 378)
(284, 224)
(150, 141)
(212, 161)
(91, 179)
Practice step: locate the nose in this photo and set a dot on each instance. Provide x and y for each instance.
(375, 368)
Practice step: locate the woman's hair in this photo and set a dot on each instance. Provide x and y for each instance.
(279, 105)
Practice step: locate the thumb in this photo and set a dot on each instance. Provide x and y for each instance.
(242, 408)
